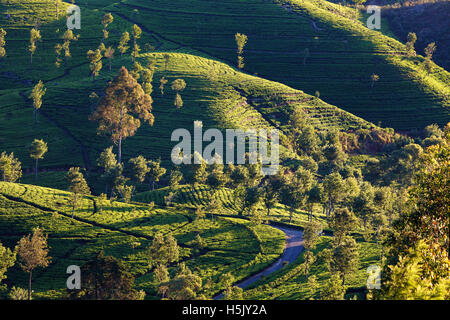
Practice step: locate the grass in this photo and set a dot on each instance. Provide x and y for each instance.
(241, 248)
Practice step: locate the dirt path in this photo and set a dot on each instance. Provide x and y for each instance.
(292, 249)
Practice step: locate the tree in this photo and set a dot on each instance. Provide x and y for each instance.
(271, 191)
(295, 192)
(412, 38)
(35, 36)
(147, 75)
(175, 178)
(199, 243)
(334, 190)
(125, 192)
(137, 32)
(109, 54)
(184, 286)
(37, 150)
(106, 20)
(161, 274)
(7, 259)
(234, 293)
(417, 263)
(231, 292)
(123, 43)
(107, 278)
(138, 169)
(155, 172)
(199, 173)
(241, 41)
(95, 62)
(163, 251)
(10, 167)
(78, 186)
(115, 177)
(2, 43)
(333, 289)
(374, 77)
(315, 195)
(216, 180)
(432, 194)
(345, 258)
(429, 50)
(308, 261)
(166, 61)
(124, 100)
(343, 222)
(107, 160)
(408, 279)
(67, 37)
(227, 280)
(302, 136)
(162, 82)
(178, 85)
(311, 234)
(36, 95)
(252, 198)
(363, 204)
(32, 252)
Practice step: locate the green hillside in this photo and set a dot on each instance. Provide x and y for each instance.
(117, 226)
(216, 93)
(359, 198)
(343, 54)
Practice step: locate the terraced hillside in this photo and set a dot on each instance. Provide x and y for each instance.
(216, 93)
(343, 54)
(199, 196)
(343, 179)
(242, 248)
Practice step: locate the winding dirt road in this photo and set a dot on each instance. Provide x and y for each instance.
(292, 249)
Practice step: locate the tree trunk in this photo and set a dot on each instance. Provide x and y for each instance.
(120, 138)
(29, 286)
(36, 170)
(120, 150)
(268, 211)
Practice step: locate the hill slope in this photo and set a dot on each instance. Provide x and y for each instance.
(343, 54)
(217, 94)
(241, 248)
